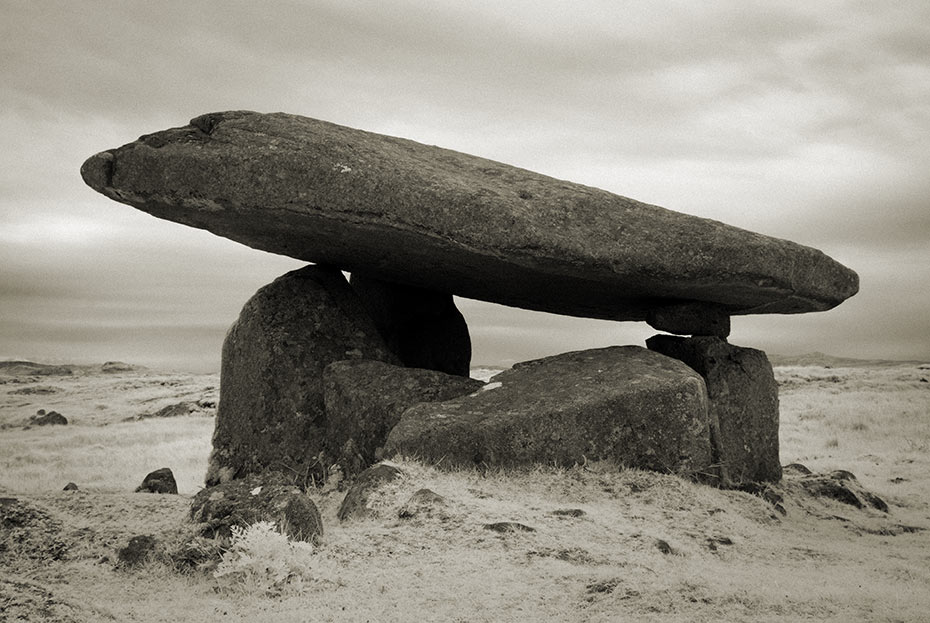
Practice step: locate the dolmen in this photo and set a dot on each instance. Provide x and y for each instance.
(323, 373)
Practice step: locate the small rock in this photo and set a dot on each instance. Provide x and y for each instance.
(842, 486)
(568, 512)
(796, 468)
(140, 550)
(664, 547)
(70, 487)
(714, 542)
(423, 502)
(267, 497)
(505, 527)
(52, 418)
(354, 504)
(159, 481)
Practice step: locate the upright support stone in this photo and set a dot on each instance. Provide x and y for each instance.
(744, 403)
(271, 414)
(422, 327)
(690, 318)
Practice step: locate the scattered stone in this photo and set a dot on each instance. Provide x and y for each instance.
(140, 550)
(256, 498)
(842, 486)
(424, 329)
(714, 542)
(603, 586)
(690, 319)
(624, 403)
(743, 397)
(505, 527)
(436, 219)
(365, 399)
(159, 481)
(177, 409)
(796, 469)
(355, 503)
(423, 502)
(37, 390)
(271, 412)
(52, 418)
(568, 512)
(70, 487)
(664, 547)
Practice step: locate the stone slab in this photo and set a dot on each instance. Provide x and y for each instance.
(623, 403)
(437, 219)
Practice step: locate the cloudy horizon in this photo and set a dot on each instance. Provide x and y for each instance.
(805, 122)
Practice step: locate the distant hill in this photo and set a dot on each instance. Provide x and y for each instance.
(829, 361)
(32, 368)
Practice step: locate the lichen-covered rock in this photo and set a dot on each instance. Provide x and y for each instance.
(355, 503)
(624, 403)
(271, 414)
(449, 222)
(423, 328)
(743, 397)
(253, 499)
(364, 400)
(842, 486)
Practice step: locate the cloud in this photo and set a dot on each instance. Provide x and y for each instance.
(807, 121)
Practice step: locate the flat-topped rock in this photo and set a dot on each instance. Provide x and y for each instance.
(432, 218)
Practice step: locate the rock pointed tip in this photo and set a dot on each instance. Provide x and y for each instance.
(97, 170)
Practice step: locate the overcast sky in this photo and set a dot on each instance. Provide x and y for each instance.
(801, 120)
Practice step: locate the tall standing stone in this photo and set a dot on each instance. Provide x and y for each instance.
(744, 403)
(422, 327)
(271, 413)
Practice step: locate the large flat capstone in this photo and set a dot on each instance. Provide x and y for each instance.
(432, 218)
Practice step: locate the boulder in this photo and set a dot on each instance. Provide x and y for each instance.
(844, 487)
(743, 397)
(141, 549)
(432, 218)
(423, 503)
(423, 328)
(355, 503)
(270, 414)
(52, 418)
(623, 403)
(159, 481)
(256, 498)
(364, 399)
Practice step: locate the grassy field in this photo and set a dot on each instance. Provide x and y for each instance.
(644, 546)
